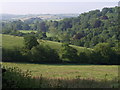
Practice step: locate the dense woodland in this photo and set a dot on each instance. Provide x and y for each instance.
(98, 30)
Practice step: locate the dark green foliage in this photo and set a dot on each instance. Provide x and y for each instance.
(95, 27)
(106, 54)
(41, 35)
(38, 54)
(116, 54)
(43, 27)
(83, 58)
(15, 78)
(12, 55)
(42, 53)
(96, 23)
(105, 51)
(68, 53)
(104, 17)
(78, 36)
(25, 27)
(102, 54)
(30, 41)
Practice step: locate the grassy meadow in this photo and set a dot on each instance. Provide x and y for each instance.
(27, 31)
(60, 76)
(9, 41)
(96, 72)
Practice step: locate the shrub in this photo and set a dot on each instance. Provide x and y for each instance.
(68, 53)
(42, 53)
(15, 78)
(30, 41)
(104, 52)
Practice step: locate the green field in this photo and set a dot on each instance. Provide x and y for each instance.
(9, 41)
(97, 72)
(57, 45)
(27, 31)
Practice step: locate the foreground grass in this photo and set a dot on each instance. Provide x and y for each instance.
(96, 72)
(59, 76)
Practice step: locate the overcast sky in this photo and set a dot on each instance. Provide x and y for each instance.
(53, 6)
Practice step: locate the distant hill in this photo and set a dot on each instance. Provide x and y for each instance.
(12, 17)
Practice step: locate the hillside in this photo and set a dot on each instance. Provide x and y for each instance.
(9, 42)
(12, 17)
(86, 30)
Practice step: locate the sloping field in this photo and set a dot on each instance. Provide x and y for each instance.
(27, 31)
(9, 41)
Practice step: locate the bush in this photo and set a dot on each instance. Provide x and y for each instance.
(83, 58)
(105, 53)
(42, 53)
(38, 54)
(13, 77)
(68, 53)
(30, 41)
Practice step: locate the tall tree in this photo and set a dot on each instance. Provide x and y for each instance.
(30, 41)
(105, 52)
(68, 53)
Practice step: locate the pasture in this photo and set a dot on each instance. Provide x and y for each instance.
(9, 41)
(96, 72)
(27, 31)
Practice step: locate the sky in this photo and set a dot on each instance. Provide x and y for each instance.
(53, 6)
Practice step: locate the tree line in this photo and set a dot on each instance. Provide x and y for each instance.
(35, 52)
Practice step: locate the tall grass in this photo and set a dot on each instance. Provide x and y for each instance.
(16, 78)
(68, 70)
